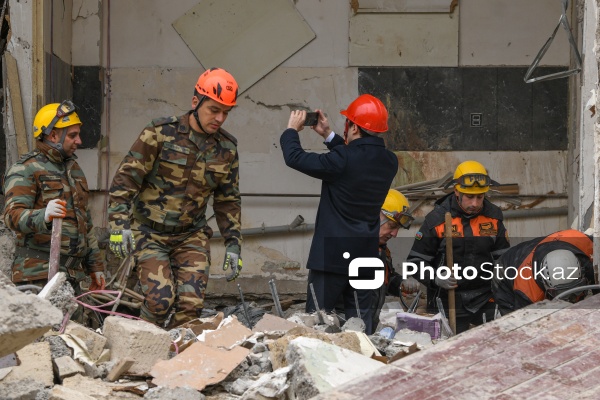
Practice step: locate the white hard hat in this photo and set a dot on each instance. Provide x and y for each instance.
(561, 271)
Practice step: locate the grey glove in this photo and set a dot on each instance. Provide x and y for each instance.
(232, 263)
(447, 284)
(410, 285)
(122, 242)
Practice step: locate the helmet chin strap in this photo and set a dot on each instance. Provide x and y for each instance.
(60, 145)
(196, 113)
(469, 215)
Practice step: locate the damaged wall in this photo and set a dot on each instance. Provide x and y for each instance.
(146, 70)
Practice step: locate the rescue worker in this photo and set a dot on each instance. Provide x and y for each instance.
(394, 215)
(159, 196)
(478, 237)
(356, 174)
(48, 183)
(542, 268)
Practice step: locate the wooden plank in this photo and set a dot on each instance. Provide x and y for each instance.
(16, 103)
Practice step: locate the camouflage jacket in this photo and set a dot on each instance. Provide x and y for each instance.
(38, 177)
(169, 175)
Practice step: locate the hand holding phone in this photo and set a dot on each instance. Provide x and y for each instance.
(312, 118)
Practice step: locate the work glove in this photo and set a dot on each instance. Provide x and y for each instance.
(98, 281)
(447, 284)
(55, 209)
(232, 263)
(122, 242)
(410, 285)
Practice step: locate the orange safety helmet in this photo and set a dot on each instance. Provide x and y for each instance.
(219, 85)
(368, 112)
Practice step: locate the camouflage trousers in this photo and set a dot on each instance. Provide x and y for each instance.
(173, 271)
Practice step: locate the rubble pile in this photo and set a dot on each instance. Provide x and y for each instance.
(217, 357)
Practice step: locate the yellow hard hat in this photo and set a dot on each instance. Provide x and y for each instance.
(396, 208)
(471, 177)
(55, 115)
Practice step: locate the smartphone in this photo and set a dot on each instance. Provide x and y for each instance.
(312, 118)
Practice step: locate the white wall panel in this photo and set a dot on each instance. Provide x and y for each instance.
(404, 40)
(510, 32)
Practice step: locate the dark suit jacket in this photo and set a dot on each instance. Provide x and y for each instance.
(356, 179)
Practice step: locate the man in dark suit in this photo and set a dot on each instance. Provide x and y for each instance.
(356, 174)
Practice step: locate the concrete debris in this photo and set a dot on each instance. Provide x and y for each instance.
(141, 341)
(278, 348)
(278, 359)
(201, 324)
(163, 393)
(94, 342)
(65, 367)
(58, 347)
(406, 337)
(36, 364)
(198, 366)
(119, 369)
(26, 389)
(254, 313)
(229, 333)
(269, 386)
(354, 324)
(60, 294)
(59, 392)
(273, 323)
(318, 366)
(23, 319)
(100, 390)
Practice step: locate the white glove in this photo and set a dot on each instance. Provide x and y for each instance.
(410, 285)
(447, 284)
(98, 280)
(122, 242)
(55, 209)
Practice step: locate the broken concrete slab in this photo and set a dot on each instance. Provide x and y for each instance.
(163, 393)
(201, 324)
(273, 323)
(269, 386)
(58, 347)
(59, 293)
(23, 318)
(59, 392)
(139, 340)
(36, 364)
(98, 389)
(119, 369)
(94, 342)
(407, 337)
(318, 366)
(229, 333)
(278, 348)
(198, 366)
(65, 367)
(26, 389)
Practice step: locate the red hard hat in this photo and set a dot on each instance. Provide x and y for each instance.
(219, 85)
(368, 112)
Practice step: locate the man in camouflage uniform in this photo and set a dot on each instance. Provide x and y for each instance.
(159, 197)
(48, 183)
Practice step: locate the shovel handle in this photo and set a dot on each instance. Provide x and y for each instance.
(54, 259)
(450, 264)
